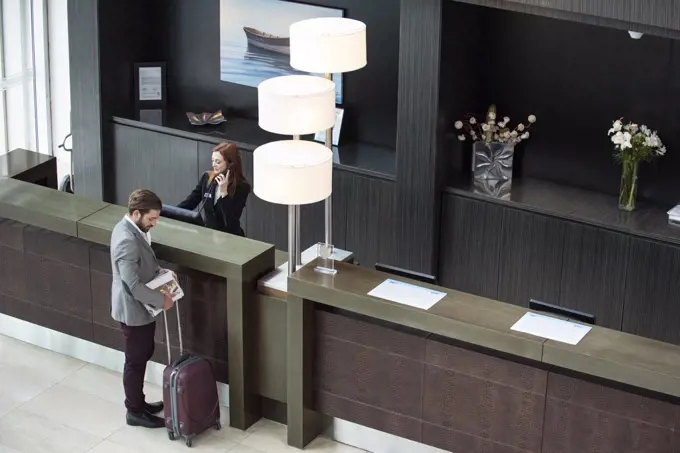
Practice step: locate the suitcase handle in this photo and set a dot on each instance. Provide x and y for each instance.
(167, 332)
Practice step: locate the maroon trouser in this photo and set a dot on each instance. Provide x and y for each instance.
(139, 347)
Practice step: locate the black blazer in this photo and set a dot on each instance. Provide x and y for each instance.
(225, 215)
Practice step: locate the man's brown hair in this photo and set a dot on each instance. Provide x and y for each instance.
(143, 200)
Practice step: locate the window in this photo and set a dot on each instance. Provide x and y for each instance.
(24, 80)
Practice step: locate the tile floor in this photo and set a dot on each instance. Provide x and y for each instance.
(51, 403)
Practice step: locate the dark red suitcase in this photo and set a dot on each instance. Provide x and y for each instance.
(190, 398)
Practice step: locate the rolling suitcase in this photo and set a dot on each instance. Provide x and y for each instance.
(190, 400)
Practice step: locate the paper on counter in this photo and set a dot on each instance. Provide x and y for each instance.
(551, 328)
(407, 294)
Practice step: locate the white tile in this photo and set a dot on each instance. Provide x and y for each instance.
(112, 447)
(19, 384)
(151, 440)
(49, 365)
(244, 449)
(26, 432)
(78, 410)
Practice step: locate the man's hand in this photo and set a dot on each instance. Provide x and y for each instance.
(167, 302)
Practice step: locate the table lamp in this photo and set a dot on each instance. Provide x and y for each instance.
(293, 173)
(296, 105)
(328, 45)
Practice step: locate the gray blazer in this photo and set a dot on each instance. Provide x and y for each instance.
(134, 264)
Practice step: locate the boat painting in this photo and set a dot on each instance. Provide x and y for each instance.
(265, 41)
(254, 43)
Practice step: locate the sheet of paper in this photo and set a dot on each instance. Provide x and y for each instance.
(551, 328)
(675, 212)
(407, 294)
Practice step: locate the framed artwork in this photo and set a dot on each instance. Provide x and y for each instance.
(335, 139)
(254, 43)
(150, 88)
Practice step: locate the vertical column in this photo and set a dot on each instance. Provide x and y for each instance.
(418, 176)
(245, 407)
(304, 424)
(83, 45)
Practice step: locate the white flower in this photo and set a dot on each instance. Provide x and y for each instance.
(633, 128)
(622, 139)
(458, 125)
(661, 151)
(520, 127)
(645, 130)
(485, 127)
(506, 120)
(461, 138)
(492, 116)
(652, 141)
(616, 127)
(501, 124)
(513, 134)
(473, 120)
(525, 135)
(532, 118)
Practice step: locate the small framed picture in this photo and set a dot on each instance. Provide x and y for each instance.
(335, 139)
(150, 89)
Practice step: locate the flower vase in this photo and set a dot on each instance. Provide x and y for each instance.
(628, 192)
(492, 161)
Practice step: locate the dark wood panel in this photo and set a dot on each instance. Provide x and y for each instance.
(470, 245)
(83, 43)
(531, 258)
(658, 13)
(165, 164)
(594, 273)
(652, 302)
(418, 150)
(365, 217)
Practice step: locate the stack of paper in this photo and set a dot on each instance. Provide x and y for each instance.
(674, 216)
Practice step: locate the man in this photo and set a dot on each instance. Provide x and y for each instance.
(134, 264)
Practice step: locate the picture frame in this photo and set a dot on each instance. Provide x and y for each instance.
(150, 85)
(335, 139)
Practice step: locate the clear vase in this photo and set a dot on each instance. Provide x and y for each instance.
(629, 183)
(492, 161)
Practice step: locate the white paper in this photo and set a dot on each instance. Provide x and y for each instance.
(551, 328)
(407, 294)
(166, 284)
(674, 213)
(150, 84)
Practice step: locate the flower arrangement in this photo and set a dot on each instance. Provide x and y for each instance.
(633, 144)
(493, 131)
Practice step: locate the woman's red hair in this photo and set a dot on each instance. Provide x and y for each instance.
(232, 157)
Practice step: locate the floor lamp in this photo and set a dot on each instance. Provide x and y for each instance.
(296, 105)
(293, 173)
(328, 45)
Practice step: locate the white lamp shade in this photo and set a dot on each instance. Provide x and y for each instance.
(296, 104)
(293, 172)
(328, 45)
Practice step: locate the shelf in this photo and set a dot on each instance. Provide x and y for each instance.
(371, 160)
(579, 205)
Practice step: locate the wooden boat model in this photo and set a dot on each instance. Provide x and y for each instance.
(265, 41)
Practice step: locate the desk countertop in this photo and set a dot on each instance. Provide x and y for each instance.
(604, 353)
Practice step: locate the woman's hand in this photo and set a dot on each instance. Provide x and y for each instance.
(223, 184)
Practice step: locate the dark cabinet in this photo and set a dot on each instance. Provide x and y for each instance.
(594, 273)
(531, 252)
(163, 163)
(652, 302)
(470, 245)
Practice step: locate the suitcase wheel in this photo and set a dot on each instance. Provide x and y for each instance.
(218, 425)
(189, 441)
(171, 435)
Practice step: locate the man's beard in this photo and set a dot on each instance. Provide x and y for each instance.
(143, 228)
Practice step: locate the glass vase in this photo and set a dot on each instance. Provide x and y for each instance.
(492, 161)
(628, 192)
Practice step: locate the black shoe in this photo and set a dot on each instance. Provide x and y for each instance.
(144, 419)
(153, 408)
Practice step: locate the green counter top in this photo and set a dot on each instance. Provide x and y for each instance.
(459, 316)
(603, 353)
(196, 247)
(45, 208)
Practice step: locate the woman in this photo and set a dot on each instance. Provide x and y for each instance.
(221, 194)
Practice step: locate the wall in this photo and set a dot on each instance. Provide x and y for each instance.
(190, 44)
(60, 89)
(577, 79)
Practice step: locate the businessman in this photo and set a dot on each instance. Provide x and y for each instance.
(134, 264)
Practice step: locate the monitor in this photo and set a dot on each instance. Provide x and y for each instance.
(183, 215)
(568, 313)
(431, 279)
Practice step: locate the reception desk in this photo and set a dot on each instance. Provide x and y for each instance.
(323, 352)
